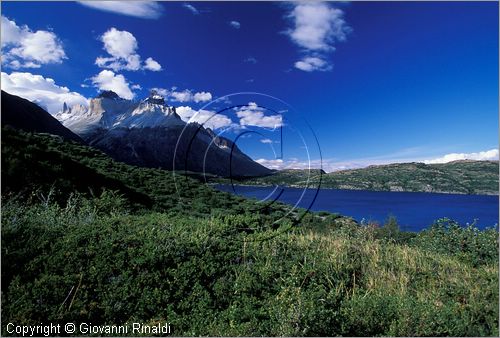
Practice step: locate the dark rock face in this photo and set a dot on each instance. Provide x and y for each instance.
(155, 98)
(109, 94)
(189, 148)
(150, 133)
(22, 114)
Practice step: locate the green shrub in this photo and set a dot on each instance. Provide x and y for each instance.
(92, 260)
(468, 243)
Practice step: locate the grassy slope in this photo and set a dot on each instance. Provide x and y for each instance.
(214, 264)
(205, 279)
(39, 162)
(463, 177)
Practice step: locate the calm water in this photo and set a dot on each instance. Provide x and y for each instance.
(414, 211)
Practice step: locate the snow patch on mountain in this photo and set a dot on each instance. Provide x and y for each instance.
(109, 111)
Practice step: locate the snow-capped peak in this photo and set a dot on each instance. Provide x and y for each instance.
(109, 111)
(155, 98)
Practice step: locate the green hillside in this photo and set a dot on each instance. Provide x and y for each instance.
(88, 239)
(460, 177)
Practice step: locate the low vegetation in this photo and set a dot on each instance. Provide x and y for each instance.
(134, 247)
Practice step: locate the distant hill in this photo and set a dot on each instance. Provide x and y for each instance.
(22, 114)
(460, 177)
(286, 177)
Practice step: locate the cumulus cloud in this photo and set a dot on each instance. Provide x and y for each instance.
(122, 47)
(152, 65)
(209, 119)
(202, 97)
(252, 115)
(191, 8)
(491, 154)
(23, 48)
(309, 64)
(162, 91)
(139, 9)
(119, 44)
(43, 91)
(235, 24)
(184, 95)
(107, 80)
(317, 28)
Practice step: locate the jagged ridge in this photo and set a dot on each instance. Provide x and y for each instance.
(150, 133)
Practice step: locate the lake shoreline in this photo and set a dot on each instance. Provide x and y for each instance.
(415, 211)
(329, 188)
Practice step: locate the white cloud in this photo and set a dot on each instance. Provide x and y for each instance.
(309, 64)
(209, 119)
(152, 65)
(140, 9)
(107, 80)
(183, 96)
(202, 97)
(43, 91)
(122, 48)
(11, 33)
(294, 163)
(187, 95)
(271, 164)
(136, 86)
(162, 91)
(119, 44)
(317, 27)
(491, 154)
(252, 115)
(23, 48)
(266, 141)
(330, 165)
(191, 8)
(235, 24)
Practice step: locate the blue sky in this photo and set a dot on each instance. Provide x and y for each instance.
(377, 82)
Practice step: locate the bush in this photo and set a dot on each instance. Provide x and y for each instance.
(474, 246)
(94, 261)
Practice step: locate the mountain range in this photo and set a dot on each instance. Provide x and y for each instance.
(146, 133)
(149, 133)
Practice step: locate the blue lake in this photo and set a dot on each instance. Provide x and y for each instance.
(414, 211)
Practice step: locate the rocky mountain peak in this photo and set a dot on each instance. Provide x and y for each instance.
(155, 98)
(148, 132)
(220, 142)
(108, 94)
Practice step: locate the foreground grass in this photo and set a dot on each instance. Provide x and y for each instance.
(92, 261)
